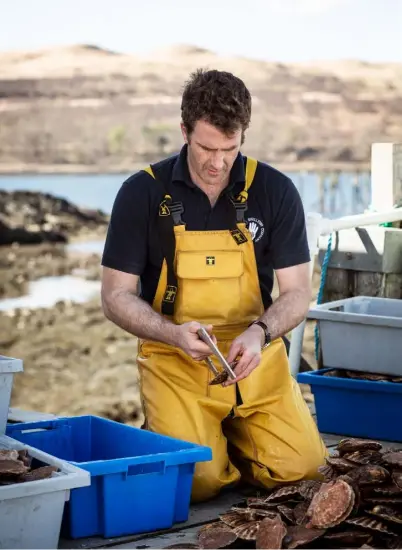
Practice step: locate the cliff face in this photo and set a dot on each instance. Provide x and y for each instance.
(91, 107)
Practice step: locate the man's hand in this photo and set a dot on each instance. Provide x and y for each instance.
(188, 340)
(247, 346)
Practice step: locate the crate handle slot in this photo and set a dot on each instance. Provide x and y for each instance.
(33, 429)
(146, 468)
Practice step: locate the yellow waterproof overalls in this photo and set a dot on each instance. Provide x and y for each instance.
(263, 431)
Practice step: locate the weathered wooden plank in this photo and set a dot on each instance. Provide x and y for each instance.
(331, 440)
(387, 285)
(189, 536)
(373, 248)
(392, 286)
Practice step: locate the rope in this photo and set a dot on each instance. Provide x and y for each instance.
(321, 290)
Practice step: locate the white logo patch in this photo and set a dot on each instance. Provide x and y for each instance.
(256, 228)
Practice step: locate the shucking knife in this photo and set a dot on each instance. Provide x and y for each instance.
(205, 337)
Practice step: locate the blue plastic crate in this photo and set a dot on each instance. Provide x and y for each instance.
(356, 408)
(140, 481)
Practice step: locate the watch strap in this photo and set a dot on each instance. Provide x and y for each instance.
(266, 332)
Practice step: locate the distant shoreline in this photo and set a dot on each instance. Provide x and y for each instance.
(83, 169)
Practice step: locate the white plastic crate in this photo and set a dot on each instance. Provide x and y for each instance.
(8, 366)
(361, 333)
(31, 513)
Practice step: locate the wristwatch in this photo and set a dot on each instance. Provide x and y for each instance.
(266, 332)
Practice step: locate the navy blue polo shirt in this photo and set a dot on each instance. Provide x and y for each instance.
(275, 217)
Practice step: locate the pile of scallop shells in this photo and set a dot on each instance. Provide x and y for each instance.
(17, 467)
(356, 504)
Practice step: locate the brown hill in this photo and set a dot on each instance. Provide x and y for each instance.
(83, 107)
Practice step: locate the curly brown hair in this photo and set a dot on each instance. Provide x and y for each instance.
(218, 97)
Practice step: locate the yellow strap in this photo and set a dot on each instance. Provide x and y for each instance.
(150, 172)
(251, 167)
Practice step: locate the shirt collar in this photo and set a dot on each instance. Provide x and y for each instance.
(181, 172)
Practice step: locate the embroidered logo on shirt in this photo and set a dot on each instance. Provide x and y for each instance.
(256, 228)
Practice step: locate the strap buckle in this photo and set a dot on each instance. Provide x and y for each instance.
(176, 210)
(240, 208)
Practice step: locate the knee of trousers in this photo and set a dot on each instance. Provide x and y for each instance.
(208, 480)
(298, 465)
(309, 459)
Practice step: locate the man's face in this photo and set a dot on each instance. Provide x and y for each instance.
(211, 153)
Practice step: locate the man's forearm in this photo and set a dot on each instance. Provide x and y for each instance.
(288, 311)
(135, 316)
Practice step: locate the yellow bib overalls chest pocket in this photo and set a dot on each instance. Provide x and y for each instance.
(264, 432)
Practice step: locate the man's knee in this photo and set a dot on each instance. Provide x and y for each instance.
(209, 480)
(309, 459)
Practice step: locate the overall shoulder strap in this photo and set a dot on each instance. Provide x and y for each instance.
(149, 170)
(167, 207)
(240, 202)
(251, 167)
(169, 214)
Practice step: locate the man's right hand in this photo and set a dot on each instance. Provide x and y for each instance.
(188, 340)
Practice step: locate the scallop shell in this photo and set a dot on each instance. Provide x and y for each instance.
(387, 490)
(216, 535)
(219, 378)
(261, 504)
(369, 474)
(25, 457)
(233, 519)
(251, 514)
(384, 500)
(39, 473)
(366, 456)
(331, 505)
(397, 478)
(287, 513)
(271, 533)
(350, 445)
(393, 458)
(300, 536)
(260, 513)
(309, 487)
(247, 531)
(340, 464)
(8, 454)
(367, 376)
(300, 512)
(10, 467)
(386, 512)
(286, 493)
(371, 524)
(349, 537)
(328, 472)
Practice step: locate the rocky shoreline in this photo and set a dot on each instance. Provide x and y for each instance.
(75, 360)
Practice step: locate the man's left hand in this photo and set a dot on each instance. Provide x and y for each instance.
(247, 347)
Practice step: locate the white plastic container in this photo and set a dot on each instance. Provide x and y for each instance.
(8, 366)
(31, 513)
(362, 333)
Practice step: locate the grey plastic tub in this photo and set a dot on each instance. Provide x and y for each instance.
(31, 513)
(361, 333)
(8, 367)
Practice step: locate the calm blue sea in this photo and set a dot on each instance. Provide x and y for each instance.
(351, 196)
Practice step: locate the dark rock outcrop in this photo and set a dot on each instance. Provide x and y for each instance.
(33, 218)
